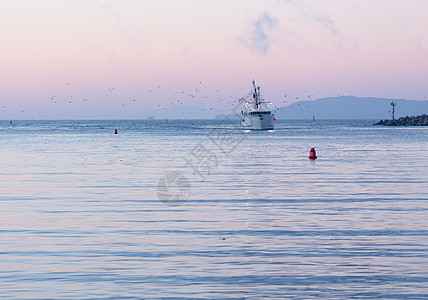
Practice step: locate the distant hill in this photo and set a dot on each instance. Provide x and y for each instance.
(350, 107)
(344, 107)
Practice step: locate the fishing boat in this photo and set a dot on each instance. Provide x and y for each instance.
(256, 114)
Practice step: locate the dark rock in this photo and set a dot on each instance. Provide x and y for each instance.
(421, 120)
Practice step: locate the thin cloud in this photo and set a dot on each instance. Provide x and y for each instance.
(128, 28)
(100, 4)
(323, 20)
(259, 37)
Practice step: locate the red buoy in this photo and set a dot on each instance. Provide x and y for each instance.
(115, 131)
(274, 118)
(312, 154)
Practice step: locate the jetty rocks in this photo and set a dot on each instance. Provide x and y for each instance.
(421, 120)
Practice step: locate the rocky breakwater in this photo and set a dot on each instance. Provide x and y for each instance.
(421, 120)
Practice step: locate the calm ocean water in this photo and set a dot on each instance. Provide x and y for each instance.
(202, 209)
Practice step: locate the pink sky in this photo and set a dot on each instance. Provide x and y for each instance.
(103, 55)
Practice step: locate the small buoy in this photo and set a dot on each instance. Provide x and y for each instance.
(274, 118)
(115, 131)
(312, 154)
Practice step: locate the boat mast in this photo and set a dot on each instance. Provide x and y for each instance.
(256, 95)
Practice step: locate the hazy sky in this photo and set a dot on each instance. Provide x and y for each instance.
(118, 58)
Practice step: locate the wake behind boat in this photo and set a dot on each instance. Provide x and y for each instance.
(256, 114)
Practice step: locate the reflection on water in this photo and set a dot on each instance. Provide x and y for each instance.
(80, 217)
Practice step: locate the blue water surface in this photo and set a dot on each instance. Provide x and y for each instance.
(183, 209)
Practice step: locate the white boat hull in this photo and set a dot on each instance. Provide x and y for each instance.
(258, 122)
(256, 114)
